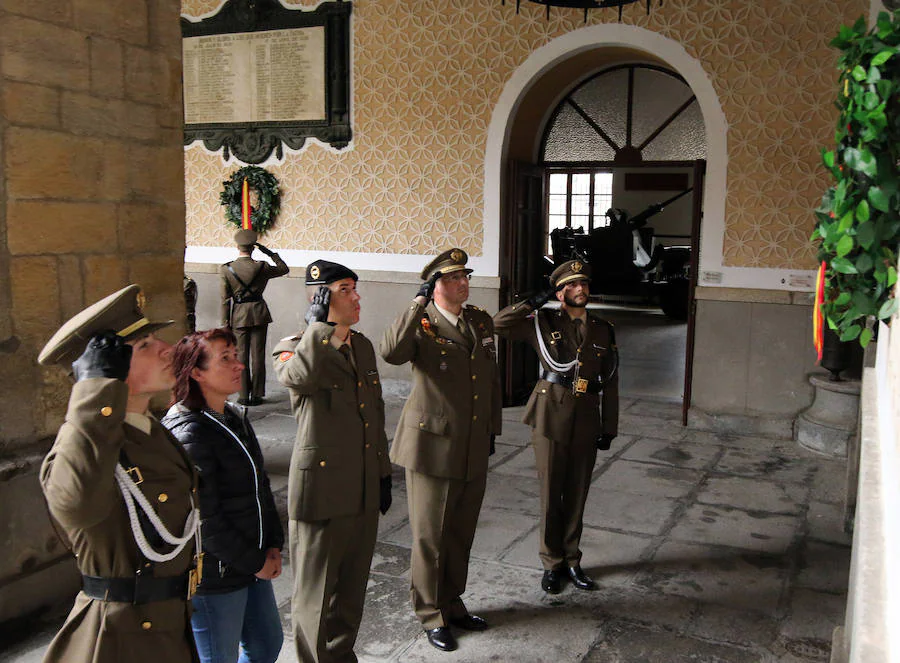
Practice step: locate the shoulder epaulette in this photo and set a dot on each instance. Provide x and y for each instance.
(475, 308)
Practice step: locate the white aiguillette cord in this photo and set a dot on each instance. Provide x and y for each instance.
(552, 363)
(131, 494)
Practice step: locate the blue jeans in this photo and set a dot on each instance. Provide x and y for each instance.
(246, 618)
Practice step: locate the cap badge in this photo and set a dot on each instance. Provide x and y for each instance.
(314, 271)
(576, 266)
(456, 255)
(141, 300)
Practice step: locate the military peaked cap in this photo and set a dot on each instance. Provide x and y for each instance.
(571, 270)
(449, 261)
(245, 237)
(323, 272)
(120, 312)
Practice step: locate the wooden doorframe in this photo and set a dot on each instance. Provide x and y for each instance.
(699, 183)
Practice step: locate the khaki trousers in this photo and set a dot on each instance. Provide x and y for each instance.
(564, 471)
(330, 560)
(443, 514)
(251, 347)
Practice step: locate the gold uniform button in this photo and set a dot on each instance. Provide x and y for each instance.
(367, 424)
(368, 445)
(374, 382)
(321, 463)
(146, 625)
(474, 376)
(443, 352)
(162, 497)
(474, 417)
(359, 384)
(106, 411)
(475, 397)
(334, 386)
(362, 405)
(543, 391)
(581, 363)
(421, 424)
(324, 341)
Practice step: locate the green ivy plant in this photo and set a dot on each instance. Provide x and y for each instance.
(859, 218)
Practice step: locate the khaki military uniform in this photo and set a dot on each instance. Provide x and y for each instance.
(333, 487)
(566, 426)
(246, 312)
(443, 441)
(78, 481)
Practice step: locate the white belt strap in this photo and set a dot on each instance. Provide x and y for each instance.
(131, 494)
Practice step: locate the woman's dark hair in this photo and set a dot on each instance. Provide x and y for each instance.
(193, 352)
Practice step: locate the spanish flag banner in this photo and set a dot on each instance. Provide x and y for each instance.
(818, 316)
(245, 207)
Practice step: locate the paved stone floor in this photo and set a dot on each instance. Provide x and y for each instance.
(706, 547)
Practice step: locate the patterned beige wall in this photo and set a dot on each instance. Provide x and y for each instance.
(427, 76)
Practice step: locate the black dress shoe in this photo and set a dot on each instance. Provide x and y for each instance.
(580, 580)
(442, 638)
(470, 623)
(552, 581)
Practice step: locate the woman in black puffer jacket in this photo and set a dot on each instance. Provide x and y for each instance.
(234, 608)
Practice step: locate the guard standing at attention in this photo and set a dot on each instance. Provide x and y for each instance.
(340, 475)
(123, 491)
(245, 311)
(573, 410)
(444, 437)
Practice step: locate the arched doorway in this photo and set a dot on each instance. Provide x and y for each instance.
(557, 101)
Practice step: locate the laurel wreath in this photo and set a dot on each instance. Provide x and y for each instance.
(262, 217)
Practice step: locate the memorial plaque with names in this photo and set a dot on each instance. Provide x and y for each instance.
(258, 76)
(277, 75)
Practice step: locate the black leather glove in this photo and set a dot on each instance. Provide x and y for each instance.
(604, 441)
(264, 249)
(538, 299)
(493, 446)
(384, 498)
(426, 290)
(107, 355)
(318, 308)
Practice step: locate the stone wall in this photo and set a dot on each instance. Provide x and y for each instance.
(91, 198)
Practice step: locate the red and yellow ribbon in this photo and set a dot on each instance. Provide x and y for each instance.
(245, 207)
(818, 316)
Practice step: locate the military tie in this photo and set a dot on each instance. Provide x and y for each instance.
(345, 350)
(463, 329)
(579, 331)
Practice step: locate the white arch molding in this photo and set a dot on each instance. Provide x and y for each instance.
(712, 231)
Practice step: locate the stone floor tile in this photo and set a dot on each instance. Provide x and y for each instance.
(396, 516)
(520, 633)
(732, 578)
(823, 567)
(610, 558)
(676, 454)
(646, 426)
(730, 440)
(389, 622)
(521, 494)
(632, 605)
(813, 615)
(502, 453)
(520, 463)
(648, 479)
(621, 511)
(752, 494)
(829, 483)
(825, 522)
(497, 530)
(628, 644)
(655, 408)
(391, 560)
(765, 465)
(726, 526)
(727, 625)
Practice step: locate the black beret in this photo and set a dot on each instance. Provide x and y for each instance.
(323, 272)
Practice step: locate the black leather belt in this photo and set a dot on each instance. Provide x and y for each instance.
(590, 386)
(248, 299)
(137, 590)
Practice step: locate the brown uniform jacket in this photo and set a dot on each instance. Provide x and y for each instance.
(552, 408)
(341, 448)
(256, 274)
(77, 477)
(455, 405)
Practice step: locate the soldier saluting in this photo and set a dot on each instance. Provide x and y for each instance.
(123, 491)
(573, 410)
(444, 437)
(245, 311)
